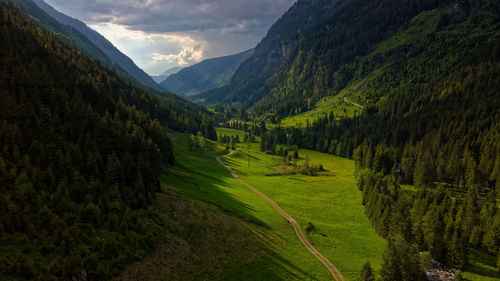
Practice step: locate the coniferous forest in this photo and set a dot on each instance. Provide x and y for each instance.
(82, 152)
(85, 149)
(427, 153)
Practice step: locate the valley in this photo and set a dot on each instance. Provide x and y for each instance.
(330, 201)
(283, 140)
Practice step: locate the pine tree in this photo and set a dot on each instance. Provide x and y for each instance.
(457, 251)
(390, 270)
(367, 273)
(401, 261)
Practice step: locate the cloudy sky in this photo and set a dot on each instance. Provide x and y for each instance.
(160, 34)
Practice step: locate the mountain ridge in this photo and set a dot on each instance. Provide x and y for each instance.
(271, 52)
(115, 55)
(160, 78)
(205, 75)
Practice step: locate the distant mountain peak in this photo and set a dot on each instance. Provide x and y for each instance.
(205, 75)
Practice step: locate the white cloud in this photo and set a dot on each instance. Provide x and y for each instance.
(154, 52)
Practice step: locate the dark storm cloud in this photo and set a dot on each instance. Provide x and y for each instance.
(159, 34)
(178, 15)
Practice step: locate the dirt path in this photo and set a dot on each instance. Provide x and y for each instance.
(351, 102)
(333, 270)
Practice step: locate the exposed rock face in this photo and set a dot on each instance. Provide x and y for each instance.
(82, 276)
(440, 272)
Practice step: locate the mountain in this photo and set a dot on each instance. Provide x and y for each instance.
(160, 78)
(353, 46)
(64, 32)
(206, 75)
(77, 40)
(115, 55)
(271, 52)
(426, 140)
(84, 150)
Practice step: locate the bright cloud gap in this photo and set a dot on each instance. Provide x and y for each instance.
(153, 51)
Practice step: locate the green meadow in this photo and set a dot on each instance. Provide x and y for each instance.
(329, 201)
(231, 132)
(215, 214)
(333, 104)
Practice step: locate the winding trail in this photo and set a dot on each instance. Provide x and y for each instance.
(351, 102)
(333, 270)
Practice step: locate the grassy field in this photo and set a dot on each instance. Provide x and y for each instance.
(202, 178)
(231, 132)
(481, 267)
(221, 230)
(212, 233)
(263, 246)
(335, 104)
(330, 201)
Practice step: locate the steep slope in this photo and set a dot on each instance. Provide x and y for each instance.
(206, 75)
(160, 78)
(76, 39)
(115, 55)
(81, 159)
(337, 53)
(64, 32)
(272, 51)
(427, 142)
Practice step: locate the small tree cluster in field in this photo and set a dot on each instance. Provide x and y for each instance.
(197, 143)
(256, 129)
(283, 152)
(248, 138)
(228, 139)
(289, 166)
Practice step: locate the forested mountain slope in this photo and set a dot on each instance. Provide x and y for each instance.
(338, 51)
(82, 153)
(271, 52)
(427, 147)
(66, 33)
(354, 45)
(82, 37)
(204, 76)
(76, 39)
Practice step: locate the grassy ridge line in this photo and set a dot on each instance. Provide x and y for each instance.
(333, 270)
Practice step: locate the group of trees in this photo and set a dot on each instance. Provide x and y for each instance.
(249, 127)
(82, 151)
(225, 114)
(290, 166)
(442, 132)
(436, 129)
(197, 143)
(232, 140)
